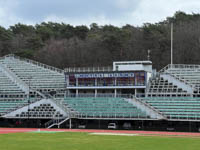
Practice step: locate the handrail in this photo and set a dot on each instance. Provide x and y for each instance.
(164, 69)
(54, 121)
(41, 94)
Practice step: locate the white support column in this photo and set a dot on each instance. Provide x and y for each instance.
(135, 92)
(95, 92)
(76, 92)
(95, 81)
(70, 123)
(115, 92)
(135, 81)
(67, 80)
(115, 81)
(68, 92)
(76, 82)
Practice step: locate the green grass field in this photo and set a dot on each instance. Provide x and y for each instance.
(84, 141)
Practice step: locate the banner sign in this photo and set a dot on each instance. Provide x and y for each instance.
(104, 75)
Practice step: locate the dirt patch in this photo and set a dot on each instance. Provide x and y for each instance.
(121, 134)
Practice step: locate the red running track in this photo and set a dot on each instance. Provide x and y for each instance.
(158, 133)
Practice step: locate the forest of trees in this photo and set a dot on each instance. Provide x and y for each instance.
(63, 45)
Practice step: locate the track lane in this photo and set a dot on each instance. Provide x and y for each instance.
(158, 133)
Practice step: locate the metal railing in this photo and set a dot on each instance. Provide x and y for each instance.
(182, 99)
(185, 66)
(107, 85)
(180, 66)
(56, 121)
(99, 95)
(88, 69)
(35, 63)
(187, 117)
(164, 94)
(112, 116)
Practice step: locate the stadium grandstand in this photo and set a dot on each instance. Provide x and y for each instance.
(33, 94)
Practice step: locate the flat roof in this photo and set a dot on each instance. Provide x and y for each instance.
(133, 62)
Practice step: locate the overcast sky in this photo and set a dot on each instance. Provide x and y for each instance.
(85, 12)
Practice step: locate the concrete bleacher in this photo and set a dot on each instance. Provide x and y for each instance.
(158, 86)
(36, 76)
(188, 74)
(41, 111)
(101, 107)
(173, 100)
(7, 106)
(7, 86)
(186, 108)
(11, 96)
(23, 78)
(174, 92)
